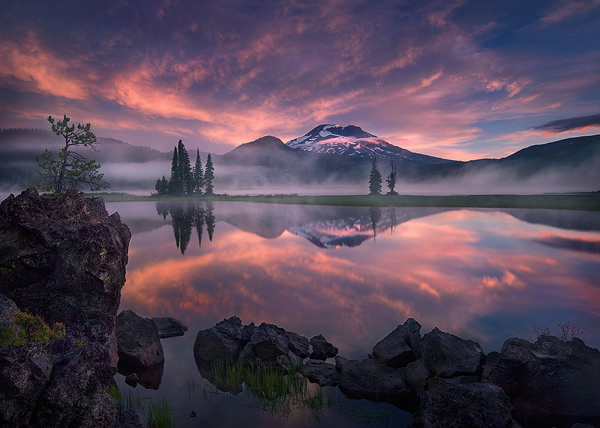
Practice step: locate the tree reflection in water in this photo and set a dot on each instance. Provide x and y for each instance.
(188, 216)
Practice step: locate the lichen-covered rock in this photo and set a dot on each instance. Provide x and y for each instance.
(550, 381)
(169, 327)
(401, 346)
(138, 341)
(62, 258)
(322, 349)
(446, 355)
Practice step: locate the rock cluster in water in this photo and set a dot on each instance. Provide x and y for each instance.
(62, 258)
(445, 380)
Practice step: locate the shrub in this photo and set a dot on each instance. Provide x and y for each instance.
(30, 329)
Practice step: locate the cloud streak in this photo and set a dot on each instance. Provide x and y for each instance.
(572, 123)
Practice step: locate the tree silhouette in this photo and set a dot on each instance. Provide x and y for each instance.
(198, 175)
(71, 169)
(175, 185)
(374, 179)
(185, 170)
(209, 175)
(391, 180)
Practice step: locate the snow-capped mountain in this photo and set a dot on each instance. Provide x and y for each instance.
(354, 142)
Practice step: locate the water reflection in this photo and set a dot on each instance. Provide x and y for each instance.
(187, 216)
(354, 274)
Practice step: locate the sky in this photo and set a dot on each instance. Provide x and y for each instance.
(459, 79)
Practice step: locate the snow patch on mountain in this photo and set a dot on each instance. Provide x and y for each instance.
(354, 142)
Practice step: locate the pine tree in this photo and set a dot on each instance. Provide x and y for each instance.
(162, 186)
(391, 180)
(175, 183)
(209, 175)
(71, 169)
(198, 175)
(185, 170)
(374, 179)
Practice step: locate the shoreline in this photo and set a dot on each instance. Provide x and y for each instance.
(573, 201)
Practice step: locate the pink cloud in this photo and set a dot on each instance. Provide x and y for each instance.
(33, 67)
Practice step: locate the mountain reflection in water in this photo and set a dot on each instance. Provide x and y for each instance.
(353, 274)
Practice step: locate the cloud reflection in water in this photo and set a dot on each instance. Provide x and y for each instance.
(480, 274)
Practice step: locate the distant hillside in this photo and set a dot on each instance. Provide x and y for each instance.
(268, 161)
(19, 147)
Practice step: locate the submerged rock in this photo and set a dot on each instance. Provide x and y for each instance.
(169, 327)
(62, 258)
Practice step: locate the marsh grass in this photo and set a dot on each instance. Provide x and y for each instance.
(159, 414)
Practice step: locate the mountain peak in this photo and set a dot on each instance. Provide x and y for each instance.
(329, 131)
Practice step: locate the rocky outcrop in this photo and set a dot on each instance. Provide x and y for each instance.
(446, 380)
(169, 327)
(550, 382)
(62, 258)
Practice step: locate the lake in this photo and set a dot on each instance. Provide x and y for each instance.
(352, 274)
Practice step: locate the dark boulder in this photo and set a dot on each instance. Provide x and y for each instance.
(220, 343)
(322, 349)
(372, 380)
(62, 258)
(401, 346)
(138, 342)
(266, 344)
(447, 355)
(550, 381)
(169, 327)
(318, 371)
(339, 362)
(298, 344)
(472, 404)
(416, 375)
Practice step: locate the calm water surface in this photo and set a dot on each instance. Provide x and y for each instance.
(352, 274)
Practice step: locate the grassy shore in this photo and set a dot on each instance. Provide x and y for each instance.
(575, 201)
